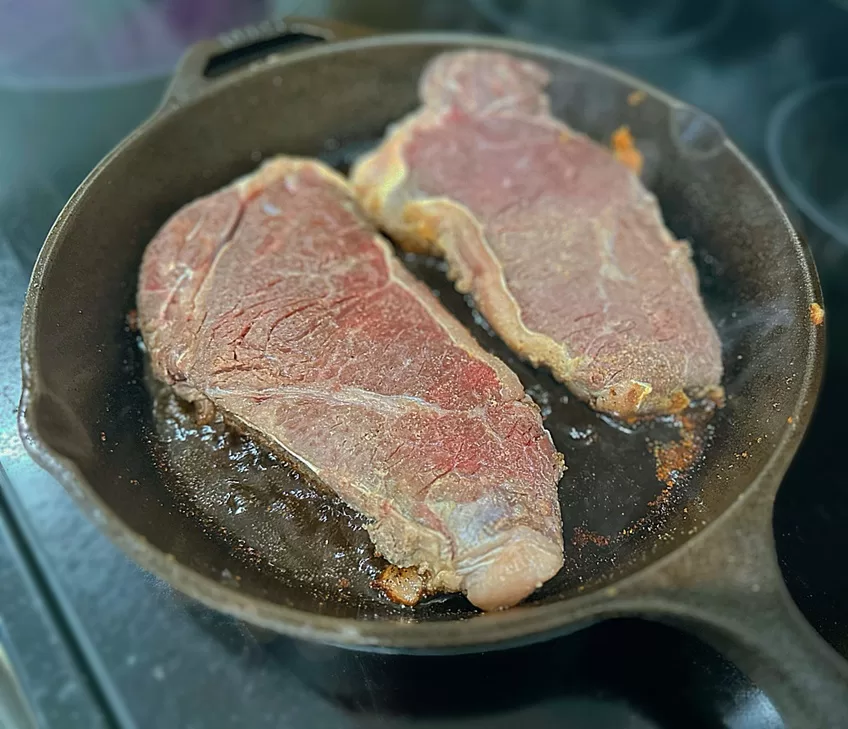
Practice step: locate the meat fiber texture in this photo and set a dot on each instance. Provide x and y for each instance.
(563, 249)
(275, 302)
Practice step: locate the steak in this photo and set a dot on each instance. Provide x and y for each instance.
(563, 249)
(274, 302)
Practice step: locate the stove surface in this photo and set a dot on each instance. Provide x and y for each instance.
(95, 641)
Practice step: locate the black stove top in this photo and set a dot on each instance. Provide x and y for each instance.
(95, 641)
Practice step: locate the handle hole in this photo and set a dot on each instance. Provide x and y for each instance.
(228, 61)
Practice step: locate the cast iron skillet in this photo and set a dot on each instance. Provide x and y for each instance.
(699, 554)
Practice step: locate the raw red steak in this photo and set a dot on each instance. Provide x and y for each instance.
(563, 249)
(275, 302)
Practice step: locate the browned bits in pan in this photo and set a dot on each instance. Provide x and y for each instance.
(132, 320)
(636, 97)
(583, 536)
(403, 585)
(625, 150)
(676, 457)
(663, 496)
(816, 314)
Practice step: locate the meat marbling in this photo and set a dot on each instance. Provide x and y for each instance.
(275, 302)
(563, 249)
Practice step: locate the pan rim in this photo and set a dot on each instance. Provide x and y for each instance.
(519, 625)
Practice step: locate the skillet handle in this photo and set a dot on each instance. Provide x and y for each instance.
(726, 587)
(208, 61)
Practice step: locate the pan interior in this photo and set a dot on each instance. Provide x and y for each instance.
(237, 515)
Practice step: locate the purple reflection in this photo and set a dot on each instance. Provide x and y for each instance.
(73, 40)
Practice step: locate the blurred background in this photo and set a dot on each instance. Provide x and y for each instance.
(88, 640)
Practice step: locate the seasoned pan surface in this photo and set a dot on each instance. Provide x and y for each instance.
(229, 524)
